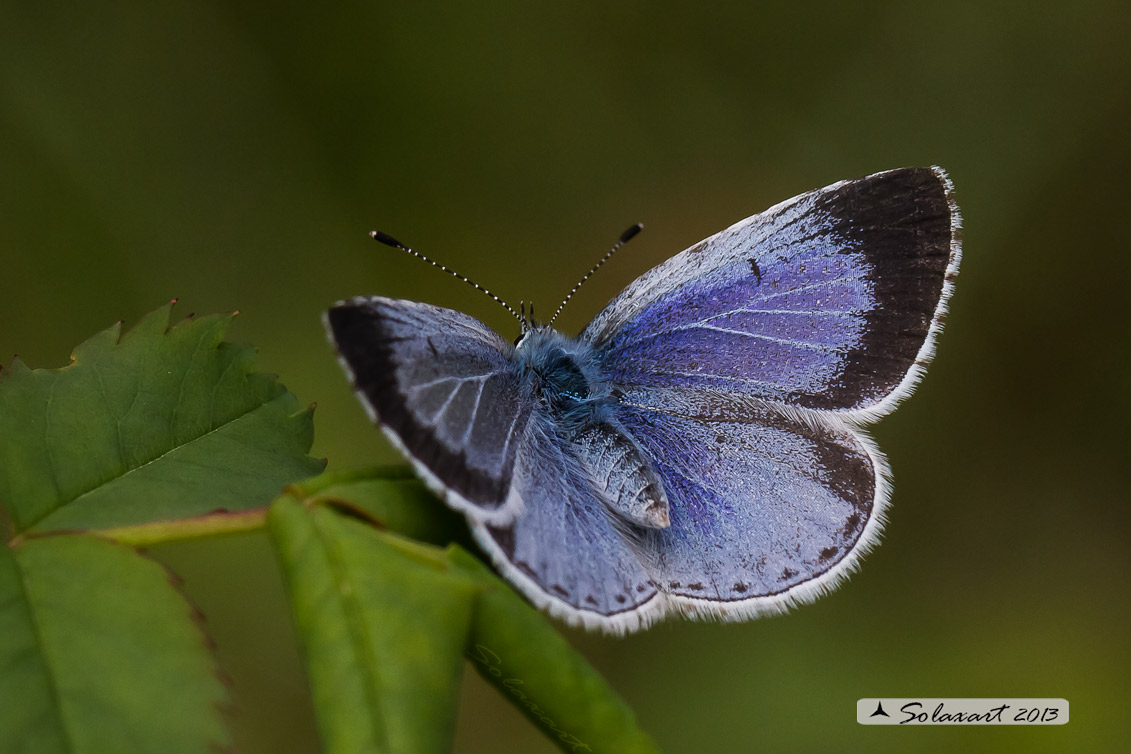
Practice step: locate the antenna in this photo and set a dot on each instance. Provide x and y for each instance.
(625, 237)
(388, 240)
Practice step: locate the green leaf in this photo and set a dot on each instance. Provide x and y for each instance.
(510, 643)
(383, 623)
(515, 648)
(163, 423)
(100, 653)
(389, 497)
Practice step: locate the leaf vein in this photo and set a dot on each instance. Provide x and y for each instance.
(52, 684)
(174, 448)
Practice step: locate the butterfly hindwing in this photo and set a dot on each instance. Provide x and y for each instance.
(446, 389)
(828, 301)
(567, 552)
(767, 509)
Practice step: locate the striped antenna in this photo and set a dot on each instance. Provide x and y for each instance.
(388, 240)
(625, 237)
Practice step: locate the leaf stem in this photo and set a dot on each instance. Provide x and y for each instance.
(197, 527)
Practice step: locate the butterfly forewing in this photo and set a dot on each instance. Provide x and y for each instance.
(828, 301)
(446, 389)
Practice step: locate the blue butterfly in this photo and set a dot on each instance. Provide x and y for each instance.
(697, 450)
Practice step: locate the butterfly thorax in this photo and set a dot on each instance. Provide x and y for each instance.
(567, 376)
(582, 403)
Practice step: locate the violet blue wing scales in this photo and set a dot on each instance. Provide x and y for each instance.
(567, 551)
(766, 510)
(827, 301)
(698, 450)
(446, 389)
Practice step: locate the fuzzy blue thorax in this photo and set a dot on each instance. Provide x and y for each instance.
(570, 382)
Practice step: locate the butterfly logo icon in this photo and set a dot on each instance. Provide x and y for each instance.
(698, 449)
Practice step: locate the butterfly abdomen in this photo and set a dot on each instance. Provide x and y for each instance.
(623, 476)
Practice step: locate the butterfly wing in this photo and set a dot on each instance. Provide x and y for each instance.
(828, 301)
(446, 390)
(567, 552)
(767, 509)
(745, 365)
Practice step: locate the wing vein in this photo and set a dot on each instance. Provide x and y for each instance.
(744, 309)
(474, 412)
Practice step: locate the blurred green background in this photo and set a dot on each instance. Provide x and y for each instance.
(234, 155)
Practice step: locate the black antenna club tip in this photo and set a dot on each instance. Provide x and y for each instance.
(630, 234)
(386, 239)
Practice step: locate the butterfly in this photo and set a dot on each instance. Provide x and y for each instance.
(698, 449)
